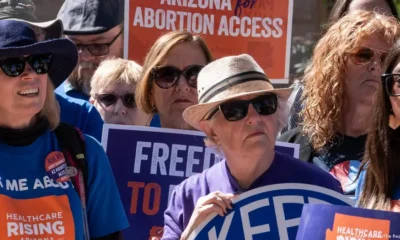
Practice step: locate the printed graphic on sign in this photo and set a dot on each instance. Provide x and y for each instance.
(230, 27)
(328, 222)
(149, 162)
(350, 227)
(270, 212)
(55, 166)
(47, 217)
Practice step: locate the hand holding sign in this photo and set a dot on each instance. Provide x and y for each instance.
(217, 202)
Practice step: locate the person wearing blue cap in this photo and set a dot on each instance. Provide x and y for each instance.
(76, 112)
(39, 194)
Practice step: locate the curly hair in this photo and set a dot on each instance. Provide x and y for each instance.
(324, 76)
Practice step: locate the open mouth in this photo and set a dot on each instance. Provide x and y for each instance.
(29, 92)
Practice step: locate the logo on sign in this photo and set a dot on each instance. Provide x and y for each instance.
(270, 212)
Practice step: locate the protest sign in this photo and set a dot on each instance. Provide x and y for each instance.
(270, 212)
(262, 29)
(320, 222)
(147, 164)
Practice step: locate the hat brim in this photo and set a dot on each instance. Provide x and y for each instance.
(65, 56)
(53, 28)
(194, 114)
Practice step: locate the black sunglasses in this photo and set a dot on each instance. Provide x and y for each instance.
(391, 82)
(236, 110)
(13, 67)
(98, 49)
(167, 76)
(109, 99)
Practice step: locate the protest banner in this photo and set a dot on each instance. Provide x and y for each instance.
(148, 162)
(270, 212)
(263, 29)
(323, 222)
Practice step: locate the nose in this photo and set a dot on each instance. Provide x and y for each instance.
(28, 73)
(85, 54)
(182, 84)
(120, 108)
(252, 116)
(375, 67)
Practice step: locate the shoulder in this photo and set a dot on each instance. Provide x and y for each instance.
(199, 184)
(307, 173)
(63, 99)
(293, 136)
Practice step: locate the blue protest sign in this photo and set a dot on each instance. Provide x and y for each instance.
(320, 222)
(148, 163)
(270, 212)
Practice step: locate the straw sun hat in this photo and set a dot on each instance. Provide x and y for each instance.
(228, 78)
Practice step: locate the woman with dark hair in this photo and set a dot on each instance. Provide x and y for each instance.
(378, 186)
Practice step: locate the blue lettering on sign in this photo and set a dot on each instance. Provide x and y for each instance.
(270, 212)
(243, 4)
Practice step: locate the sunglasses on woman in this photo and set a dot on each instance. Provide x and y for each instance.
(391, 82)
(167, 76)
(236, 110)
(364, 55)
(13, 67)
(109, 99)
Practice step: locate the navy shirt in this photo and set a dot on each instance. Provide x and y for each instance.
(283, 169)
(67, 90)
(81, 114)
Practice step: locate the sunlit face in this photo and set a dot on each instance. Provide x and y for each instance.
(119, 113)
(22, 97)
(253, 134)
(395, 100)
(379, 6)
(362, 81)
(170, 103)
(88, 63)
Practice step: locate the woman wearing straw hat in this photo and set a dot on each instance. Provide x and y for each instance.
(37, 198)
(241, 114)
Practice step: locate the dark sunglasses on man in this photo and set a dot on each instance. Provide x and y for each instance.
(391, 82)
(98, 49)
(168, 76)
(235, 110)
(110, 99)
(15, 66)
(364, 55)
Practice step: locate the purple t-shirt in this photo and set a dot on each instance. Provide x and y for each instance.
(284, 169)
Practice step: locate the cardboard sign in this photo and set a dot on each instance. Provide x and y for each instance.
(320, 222)
(148, 163)
(262, 29)
(270, 212)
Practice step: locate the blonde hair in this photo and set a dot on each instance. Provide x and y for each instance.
(324, 76)
(157, 54)
(115, 70)
(50, 108)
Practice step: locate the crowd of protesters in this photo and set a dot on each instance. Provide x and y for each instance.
(69, 74)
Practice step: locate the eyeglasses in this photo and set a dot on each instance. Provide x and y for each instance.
(237, 109)
(391, 82)
(167, 76)
(13, 67)
(364, 55)
(109, 99)
(98, 49)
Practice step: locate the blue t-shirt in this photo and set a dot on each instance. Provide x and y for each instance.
(284, 169)
(34, 206)
(395, 194)
(66, 89)
(155, 121)
(81, 114)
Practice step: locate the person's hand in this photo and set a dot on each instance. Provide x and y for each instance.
(214, 202)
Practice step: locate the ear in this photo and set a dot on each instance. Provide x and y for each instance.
(207, 129)
(91, 100)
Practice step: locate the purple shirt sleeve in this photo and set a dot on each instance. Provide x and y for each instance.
(173, 218)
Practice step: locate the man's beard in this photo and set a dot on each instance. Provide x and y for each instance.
(80, 81)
